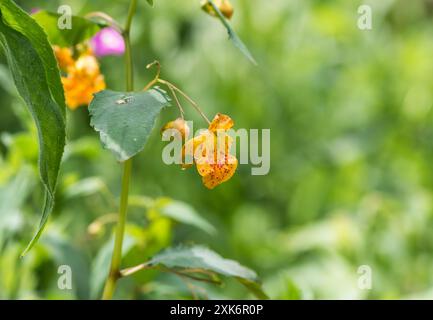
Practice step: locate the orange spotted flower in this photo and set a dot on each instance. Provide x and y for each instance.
(210, 152)
(83, 77)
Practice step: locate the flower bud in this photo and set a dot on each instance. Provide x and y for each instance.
(179, 125)
(108, 42)
(224, 6)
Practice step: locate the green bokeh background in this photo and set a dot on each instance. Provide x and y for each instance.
(351, 179)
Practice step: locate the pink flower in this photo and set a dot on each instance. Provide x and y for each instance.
(108, 42)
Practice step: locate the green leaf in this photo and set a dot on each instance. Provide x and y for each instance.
(198, 257)
(232, 34)
(82, 29)
(150, 2)
(34, 69)
(125, 120)
(184, 213)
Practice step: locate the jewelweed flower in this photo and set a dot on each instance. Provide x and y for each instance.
(210, 152)
(108, 42)
(82, 76)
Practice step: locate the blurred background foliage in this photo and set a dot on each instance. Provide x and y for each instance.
(351, 179)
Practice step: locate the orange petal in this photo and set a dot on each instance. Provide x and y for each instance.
(190, 148)
(218, 173)
(223, 142)
(83, 80)
(64, 57)
(204, 168)
(221, 122)
(87, 65)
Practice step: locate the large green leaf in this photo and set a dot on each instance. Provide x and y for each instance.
(125, 120)
(201, 258)
(34, 69)
(81, 29)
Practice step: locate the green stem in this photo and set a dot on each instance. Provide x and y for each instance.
(114, 274)
(128, 62)
(131, 12)
(220, 16)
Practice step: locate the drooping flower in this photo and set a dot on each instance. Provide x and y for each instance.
(108, 42)
(224, 6)
(210, 152)
(82, 76)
